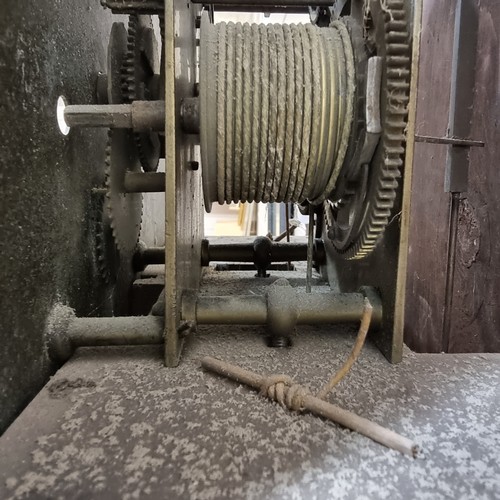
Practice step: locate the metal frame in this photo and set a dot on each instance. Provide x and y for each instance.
(183, 194)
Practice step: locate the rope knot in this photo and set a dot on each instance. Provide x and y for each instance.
(283, 390)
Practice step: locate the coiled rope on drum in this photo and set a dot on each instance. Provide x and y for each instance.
(276, 106)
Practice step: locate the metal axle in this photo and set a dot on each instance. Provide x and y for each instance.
(281, 309)
(139, 116)
(144, 182)
(66, 332)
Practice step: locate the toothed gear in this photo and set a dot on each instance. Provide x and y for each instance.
(370, 201)
(107, 257)
(124, 209)
(140, 82)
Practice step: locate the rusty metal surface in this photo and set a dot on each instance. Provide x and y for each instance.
(183, 198)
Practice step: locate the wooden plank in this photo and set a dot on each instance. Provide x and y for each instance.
(427, 251)
(475, 309)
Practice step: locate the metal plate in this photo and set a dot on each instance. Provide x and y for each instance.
(183, 194)
(386, 267)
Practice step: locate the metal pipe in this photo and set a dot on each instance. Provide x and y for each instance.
(144, 182)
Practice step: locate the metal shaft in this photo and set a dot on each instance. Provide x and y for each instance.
(266, 3)
(144, 182)
(126, 330)
(146, 256)
(140, 115)
(245, 252)
(66, 332)
(310, 309)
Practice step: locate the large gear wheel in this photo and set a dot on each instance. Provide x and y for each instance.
(359, 212)
(107, 256)
(124, 209)
(140, 82)
(122, 216)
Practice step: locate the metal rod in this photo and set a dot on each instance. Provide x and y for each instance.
(454, 141)
(264, 3)
(99, 115)
(65, 332)
(244, 252)
(144, 182)
(140, 115)
(148, 256)
(287, 217)
(136, 6)
(126, 330)
(450, 271)
(231, 310)
(311, 309)
(463, 79)
(285, 9)
(310, 241)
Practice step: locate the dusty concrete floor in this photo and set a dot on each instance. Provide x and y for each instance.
(113, 423)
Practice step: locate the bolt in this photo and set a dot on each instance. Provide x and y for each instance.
(193, 165)
(279, 341)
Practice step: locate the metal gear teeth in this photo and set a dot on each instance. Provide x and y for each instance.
(128, 78)
(109, 204)
(393, 138)
(128, 70)
(102, 267)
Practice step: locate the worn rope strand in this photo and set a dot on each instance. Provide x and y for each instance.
(356, 351)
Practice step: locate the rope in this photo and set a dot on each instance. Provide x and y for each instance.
(279, 104)
(283, 390)
(353, 356)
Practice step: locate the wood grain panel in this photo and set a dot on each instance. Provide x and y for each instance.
(475, 308)
(427, 255)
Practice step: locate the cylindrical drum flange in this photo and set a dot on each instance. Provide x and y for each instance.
(276, 108)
